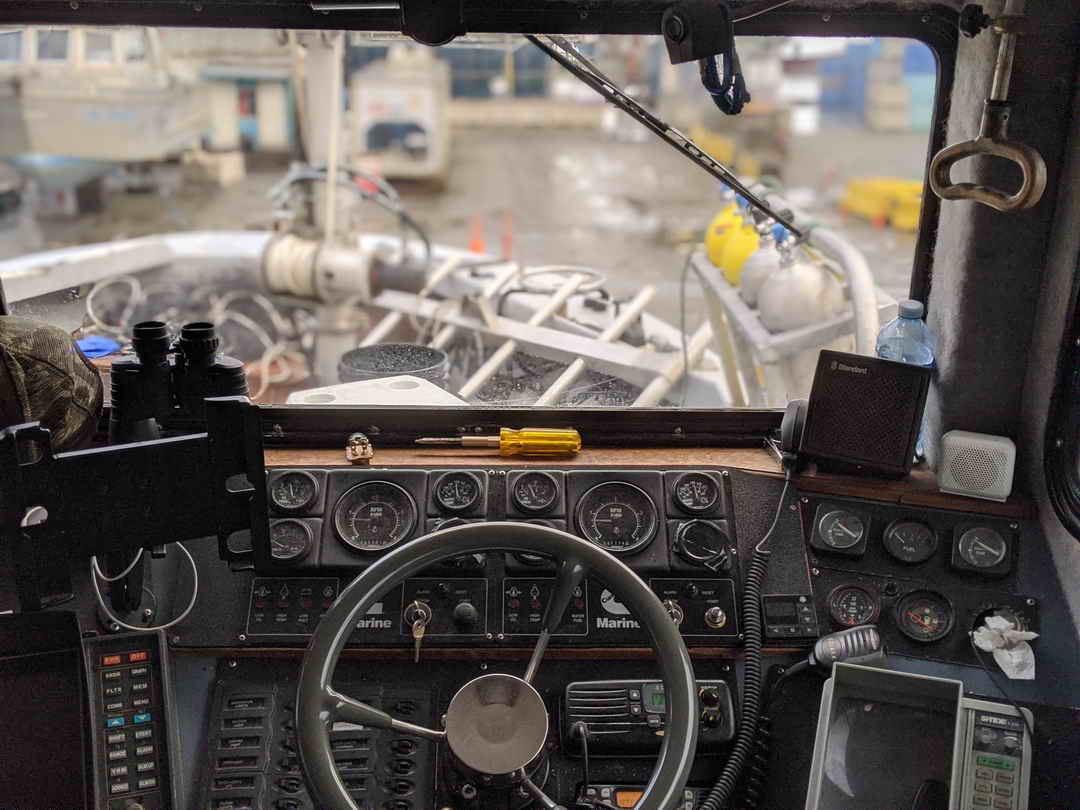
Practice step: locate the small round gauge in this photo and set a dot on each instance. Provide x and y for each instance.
(289, 540)
(696, 492)
(617, 516)
(925, 616)
(294, 491)
(698, 541)
(458, 491)
(852, 605)
(910, 541)
(535, 492)
(982, 547)
(841, 529)
(374, 516)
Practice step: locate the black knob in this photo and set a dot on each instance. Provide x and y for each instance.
(466, 616)
(710, 698)
(691, 590)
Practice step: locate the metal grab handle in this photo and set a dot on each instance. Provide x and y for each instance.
(991, 141)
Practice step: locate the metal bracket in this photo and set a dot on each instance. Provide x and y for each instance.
(697, 29)
(125, 497)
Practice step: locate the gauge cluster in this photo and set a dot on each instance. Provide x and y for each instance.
(922, 575)
(932, 544)
(343, 518)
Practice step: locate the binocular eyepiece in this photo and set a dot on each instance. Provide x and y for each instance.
(169, 382)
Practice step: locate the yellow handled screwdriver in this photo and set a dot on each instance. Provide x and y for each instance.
(524, 442)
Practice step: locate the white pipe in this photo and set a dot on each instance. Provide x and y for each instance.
(502, 354)
(335, 127)
(655, 391)
(860, 281)
(630, 313)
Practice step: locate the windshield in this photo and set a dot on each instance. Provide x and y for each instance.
(497, 233)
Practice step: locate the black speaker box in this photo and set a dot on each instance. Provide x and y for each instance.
(864, 414)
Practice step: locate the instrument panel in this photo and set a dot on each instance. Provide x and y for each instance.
(924, 576)
(674, 528)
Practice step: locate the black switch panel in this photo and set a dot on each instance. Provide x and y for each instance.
(288, 607)
(458, 606)
(707, 605)
(134, 748)
(253, 761)
(524, 602)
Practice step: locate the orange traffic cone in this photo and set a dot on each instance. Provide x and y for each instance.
(476, 236)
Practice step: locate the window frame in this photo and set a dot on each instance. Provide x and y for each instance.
(936, 27)
(1061, 441)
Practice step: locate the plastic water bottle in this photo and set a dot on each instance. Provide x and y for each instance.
(907, 339)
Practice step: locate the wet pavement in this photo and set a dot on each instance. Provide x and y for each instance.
(562, 197)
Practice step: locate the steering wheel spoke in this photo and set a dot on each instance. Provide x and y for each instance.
(542, 798)
(342, 708)
(571, 574)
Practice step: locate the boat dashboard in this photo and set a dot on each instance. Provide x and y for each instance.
(203, 714)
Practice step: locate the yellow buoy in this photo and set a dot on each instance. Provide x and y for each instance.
(738, 247)
(723, 225)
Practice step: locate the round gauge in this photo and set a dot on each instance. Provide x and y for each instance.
(535, 492)
(374, 515)
(294, 491)
(910, 541)
(289, 540)
(696, 492)
(982, 547)
(617, 516)
(698, 541)
(852, 605)
(925, 616)
(458, 491)
(841, 529)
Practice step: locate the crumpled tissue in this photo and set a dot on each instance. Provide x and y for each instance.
(1009, 645)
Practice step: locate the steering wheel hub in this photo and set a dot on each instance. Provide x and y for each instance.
(496, 724)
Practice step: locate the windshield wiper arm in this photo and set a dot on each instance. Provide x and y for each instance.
(563, 51)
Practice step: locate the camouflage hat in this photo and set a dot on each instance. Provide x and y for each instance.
(45, 378)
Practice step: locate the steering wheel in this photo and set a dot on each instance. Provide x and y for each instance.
(496, 724)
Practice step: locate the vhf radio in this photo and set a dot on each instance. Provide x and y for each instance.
(628, 717)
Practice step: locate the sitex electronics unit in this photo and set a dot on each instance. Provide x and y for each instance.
(864, 414)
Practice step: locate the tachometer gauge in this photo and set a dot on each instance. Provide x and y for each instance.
(910, 541)
(458, 491)
(617, 516)
(374, 515)
(535, 492)
(925, 616)
(852, 605)
(289, 540)
(294, 491)
(982, 547)
(841, 529)
(696, 492)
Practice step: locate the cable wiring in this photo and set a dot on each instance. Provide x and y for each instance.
(152, 629)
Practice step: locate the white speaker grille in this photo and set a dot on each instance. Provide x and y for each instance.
(976, 464)
(977, 468)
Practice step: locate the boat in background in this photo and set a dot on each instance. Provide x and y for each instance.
(119, 102)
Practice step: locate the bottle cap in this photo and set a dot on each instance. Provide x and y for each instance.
(910, 308)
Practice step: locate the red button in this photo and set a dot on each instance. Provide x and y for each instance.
(136, 657)
(110, 660)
